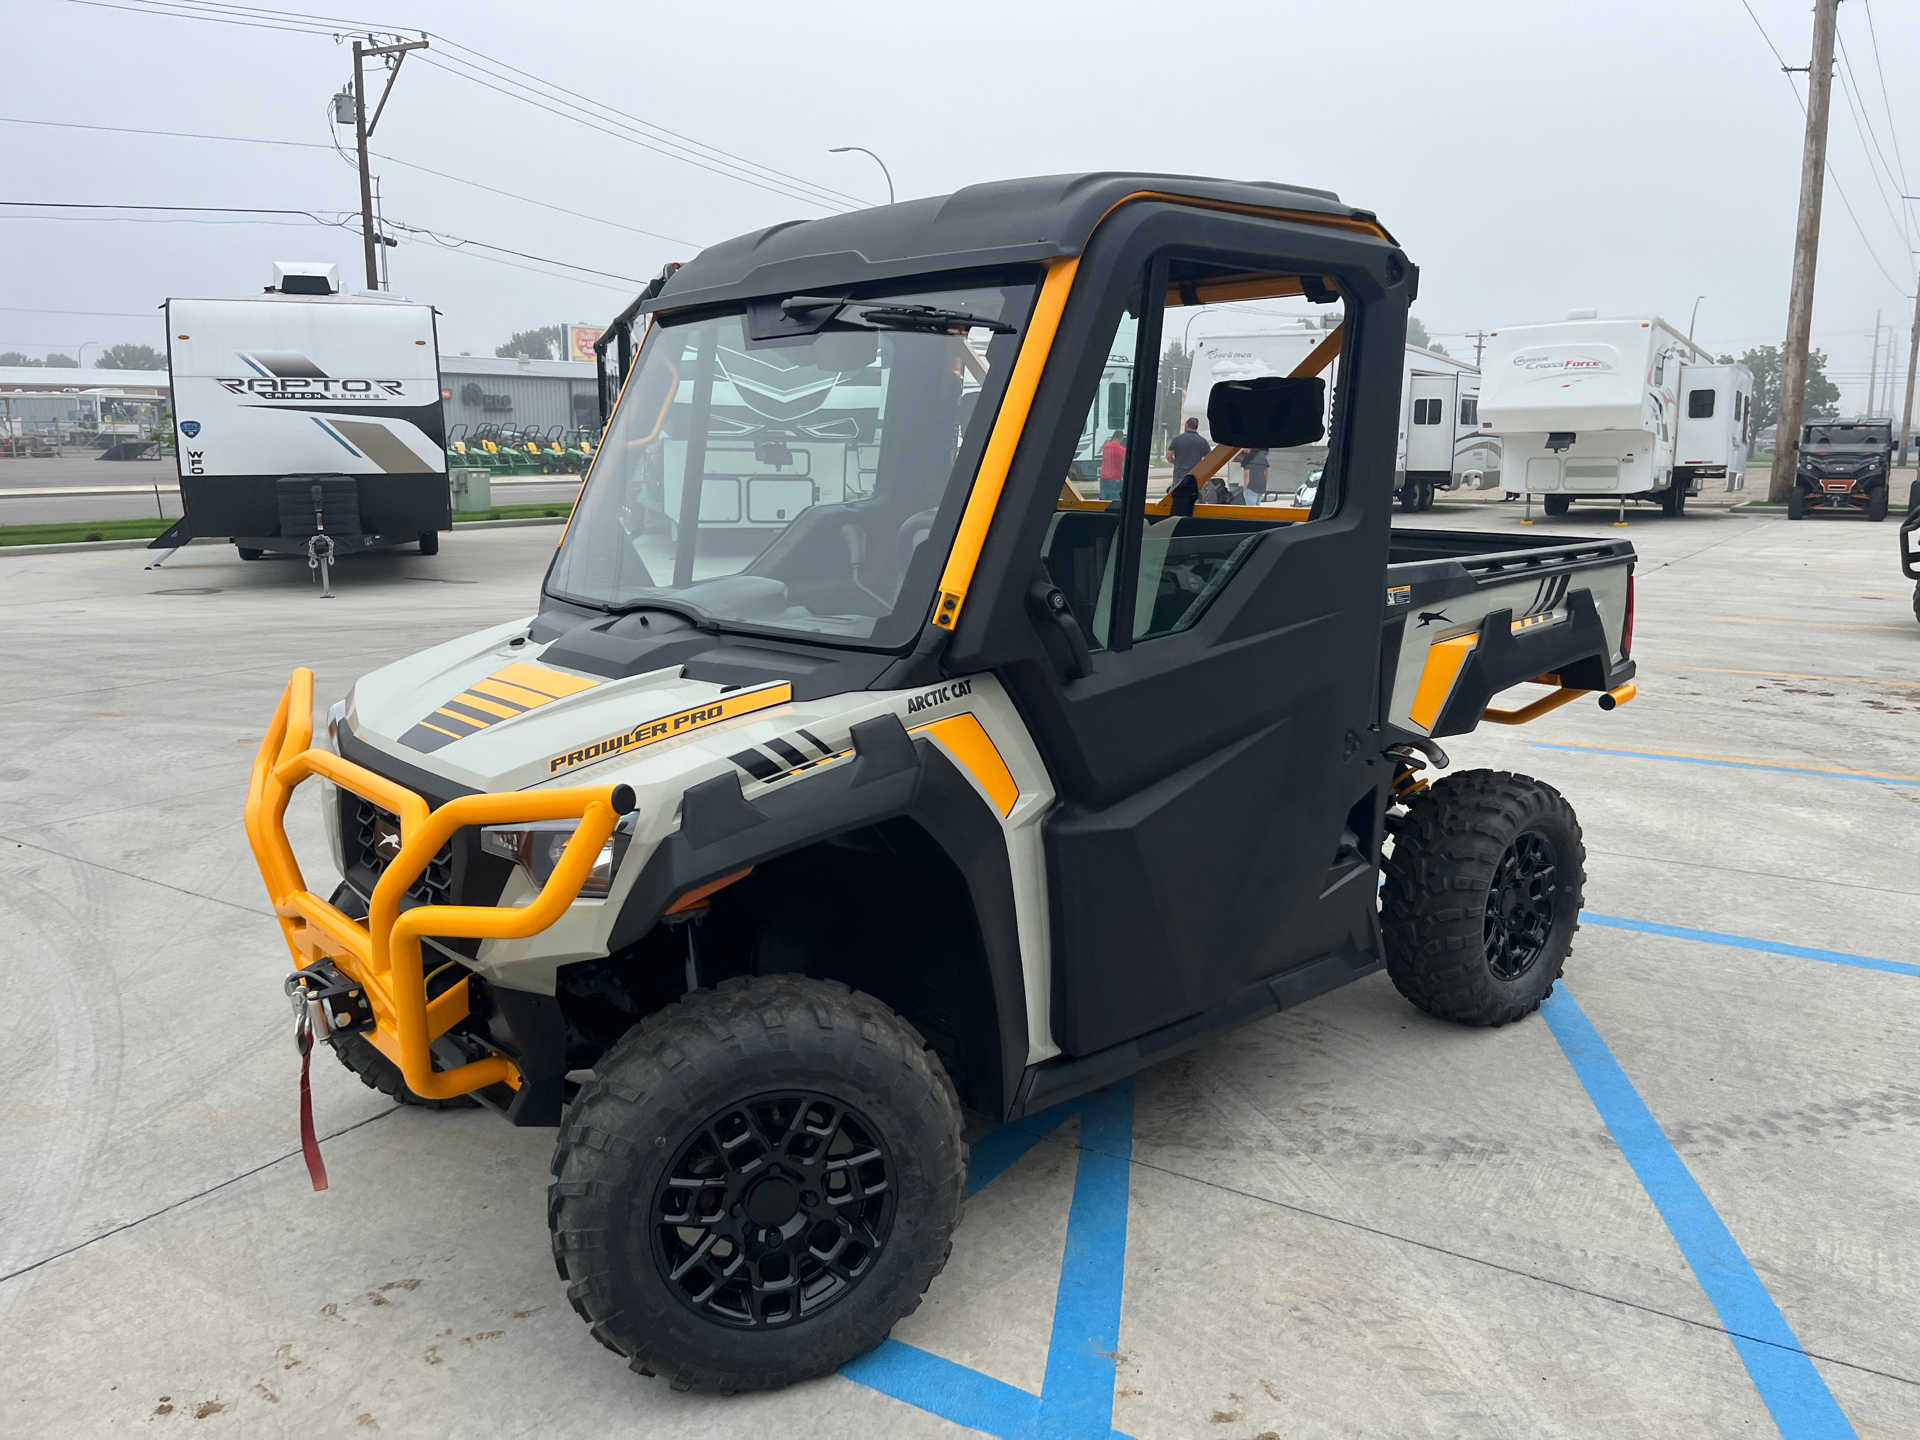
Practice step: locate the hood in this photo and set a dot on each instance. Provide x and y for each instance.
(489, 712)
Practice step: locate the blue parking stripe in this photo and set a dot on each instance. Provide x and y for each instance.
(953, 1392)
(1729, 764)
(1798, 1399)
(1747, 942)
(1077, 1397)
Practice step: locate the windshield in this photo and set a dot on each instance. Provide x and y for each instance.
(1881, 434)
(808, 483)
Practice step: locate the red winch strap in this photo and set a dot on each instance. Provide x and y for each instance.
(309, 1142)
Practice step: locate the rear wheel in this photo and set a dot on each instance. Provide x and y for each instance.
(247, 552)
(1556, 504)
(1426, 493)
(429, 542)
(1482, 896)
(759, 1181)
(1671, 498)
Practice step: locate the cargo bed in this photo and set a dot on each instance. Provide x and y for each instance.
(1470, 614)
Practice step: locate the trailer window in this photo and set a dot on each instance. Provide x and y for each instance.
(1739, 405)
(1700, 405)
(1427, 412)
(809, 483)
(1470, 410)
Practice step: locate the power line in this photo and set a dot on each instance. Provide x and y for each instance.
(343, 220)
(1870, 137)
(1828, 170)
(1893, 130)
(645, 134)
(389, 159)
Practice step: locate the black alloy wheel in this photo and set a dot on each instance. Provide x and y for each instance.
(1520, 906)
(774, 1209)
(759, 1180)
(1482, 895)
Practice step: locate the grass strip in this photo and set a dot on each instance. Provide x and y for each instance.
(74, 531)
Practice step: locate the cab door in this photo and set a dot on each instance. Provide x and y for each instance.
(1213, 757)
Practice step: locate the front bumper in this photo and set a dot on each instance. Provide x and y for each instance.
(383, 952)
(1838, 492)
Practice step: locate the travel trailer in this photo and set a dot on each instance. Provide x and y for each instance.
(1440, 447)
(1613, 410)
(308, 422)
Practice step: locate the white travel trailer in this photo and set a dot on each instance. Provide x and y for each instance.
(1440, 444)
(304, 413)
(1613, 410)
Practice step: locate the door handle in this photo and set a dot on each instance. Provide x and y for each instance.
(1049, 608)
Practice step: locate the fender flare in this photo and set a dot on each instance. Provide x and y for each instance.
(892, 776)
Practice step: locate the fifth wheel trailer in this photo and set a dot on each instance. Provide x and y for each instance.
(303, 413)
(1613, 410)
(1440, 444)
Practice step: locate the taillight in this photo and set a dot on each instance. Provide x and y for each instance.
(1626, 638)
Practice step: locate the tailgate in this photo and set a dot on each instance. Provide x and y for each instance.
(1469, 615)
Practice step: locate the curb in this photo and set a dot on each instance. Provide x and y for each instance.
(76, 547)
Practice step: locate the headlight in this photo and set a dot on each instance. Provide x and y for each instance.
(536, 849)
(330, 739)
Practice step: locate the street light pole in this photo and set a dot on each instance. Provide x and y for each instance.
(81, 357)
(1695, 316)
(843, 149)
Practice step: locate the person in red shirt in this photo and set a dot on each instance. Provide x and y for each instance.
(1113, 467)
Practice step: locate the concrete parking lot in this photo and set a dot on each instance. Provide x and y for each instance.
(1679, 1203)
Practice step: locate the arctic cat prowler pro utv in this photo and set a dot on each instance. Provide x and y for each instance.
(859, 765)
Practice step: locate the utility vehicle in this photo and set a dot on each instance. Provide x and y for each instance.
(1910, 544)
(748, 865)
(1842, 465)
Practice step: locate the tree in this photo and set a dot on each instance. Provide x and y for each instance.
(131, 357)
(62, 362)
(14, 357)
(1822, 395)
(1417, 335)
(546, 343)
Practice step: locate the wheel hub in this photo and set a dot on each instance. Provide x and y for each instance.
(1520, 906)
(773, 1209)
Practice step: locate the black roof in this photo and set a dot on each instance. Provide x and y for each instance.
(1006, 222)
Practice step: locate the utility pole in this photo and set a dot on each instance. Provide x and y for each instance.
(1873, 369)
(363, 131)
(1806, 251)
(1479, 339)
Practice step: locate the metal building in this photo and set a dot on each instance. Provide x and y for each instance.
(481, 390)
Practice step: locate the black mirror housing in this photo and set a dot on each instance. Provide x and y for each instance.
(1272, 412)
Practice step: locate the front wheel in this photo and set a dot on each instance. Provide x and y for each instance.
(1877, 503)
(1482, 896)
(757, 1184)
(1796, 503)
(1410, 495)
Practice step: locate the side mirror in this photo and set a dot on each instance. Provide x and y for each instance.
(1272, 412)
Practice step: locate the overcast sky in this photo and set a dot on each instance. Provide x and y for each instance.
(1533, 156)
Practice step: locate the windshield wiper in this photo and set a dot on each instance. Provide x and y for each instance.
(699, 619)
(929, 318)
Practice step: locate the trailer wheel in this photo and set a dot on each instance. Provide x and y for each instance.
(1482, 896)
(377, 1072)
(1796, 503)
(247, 552)
(1410, 495)
(429, 542)
(1426, 493)
(1877, 503)
(1555, 504)
(757, 1184)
